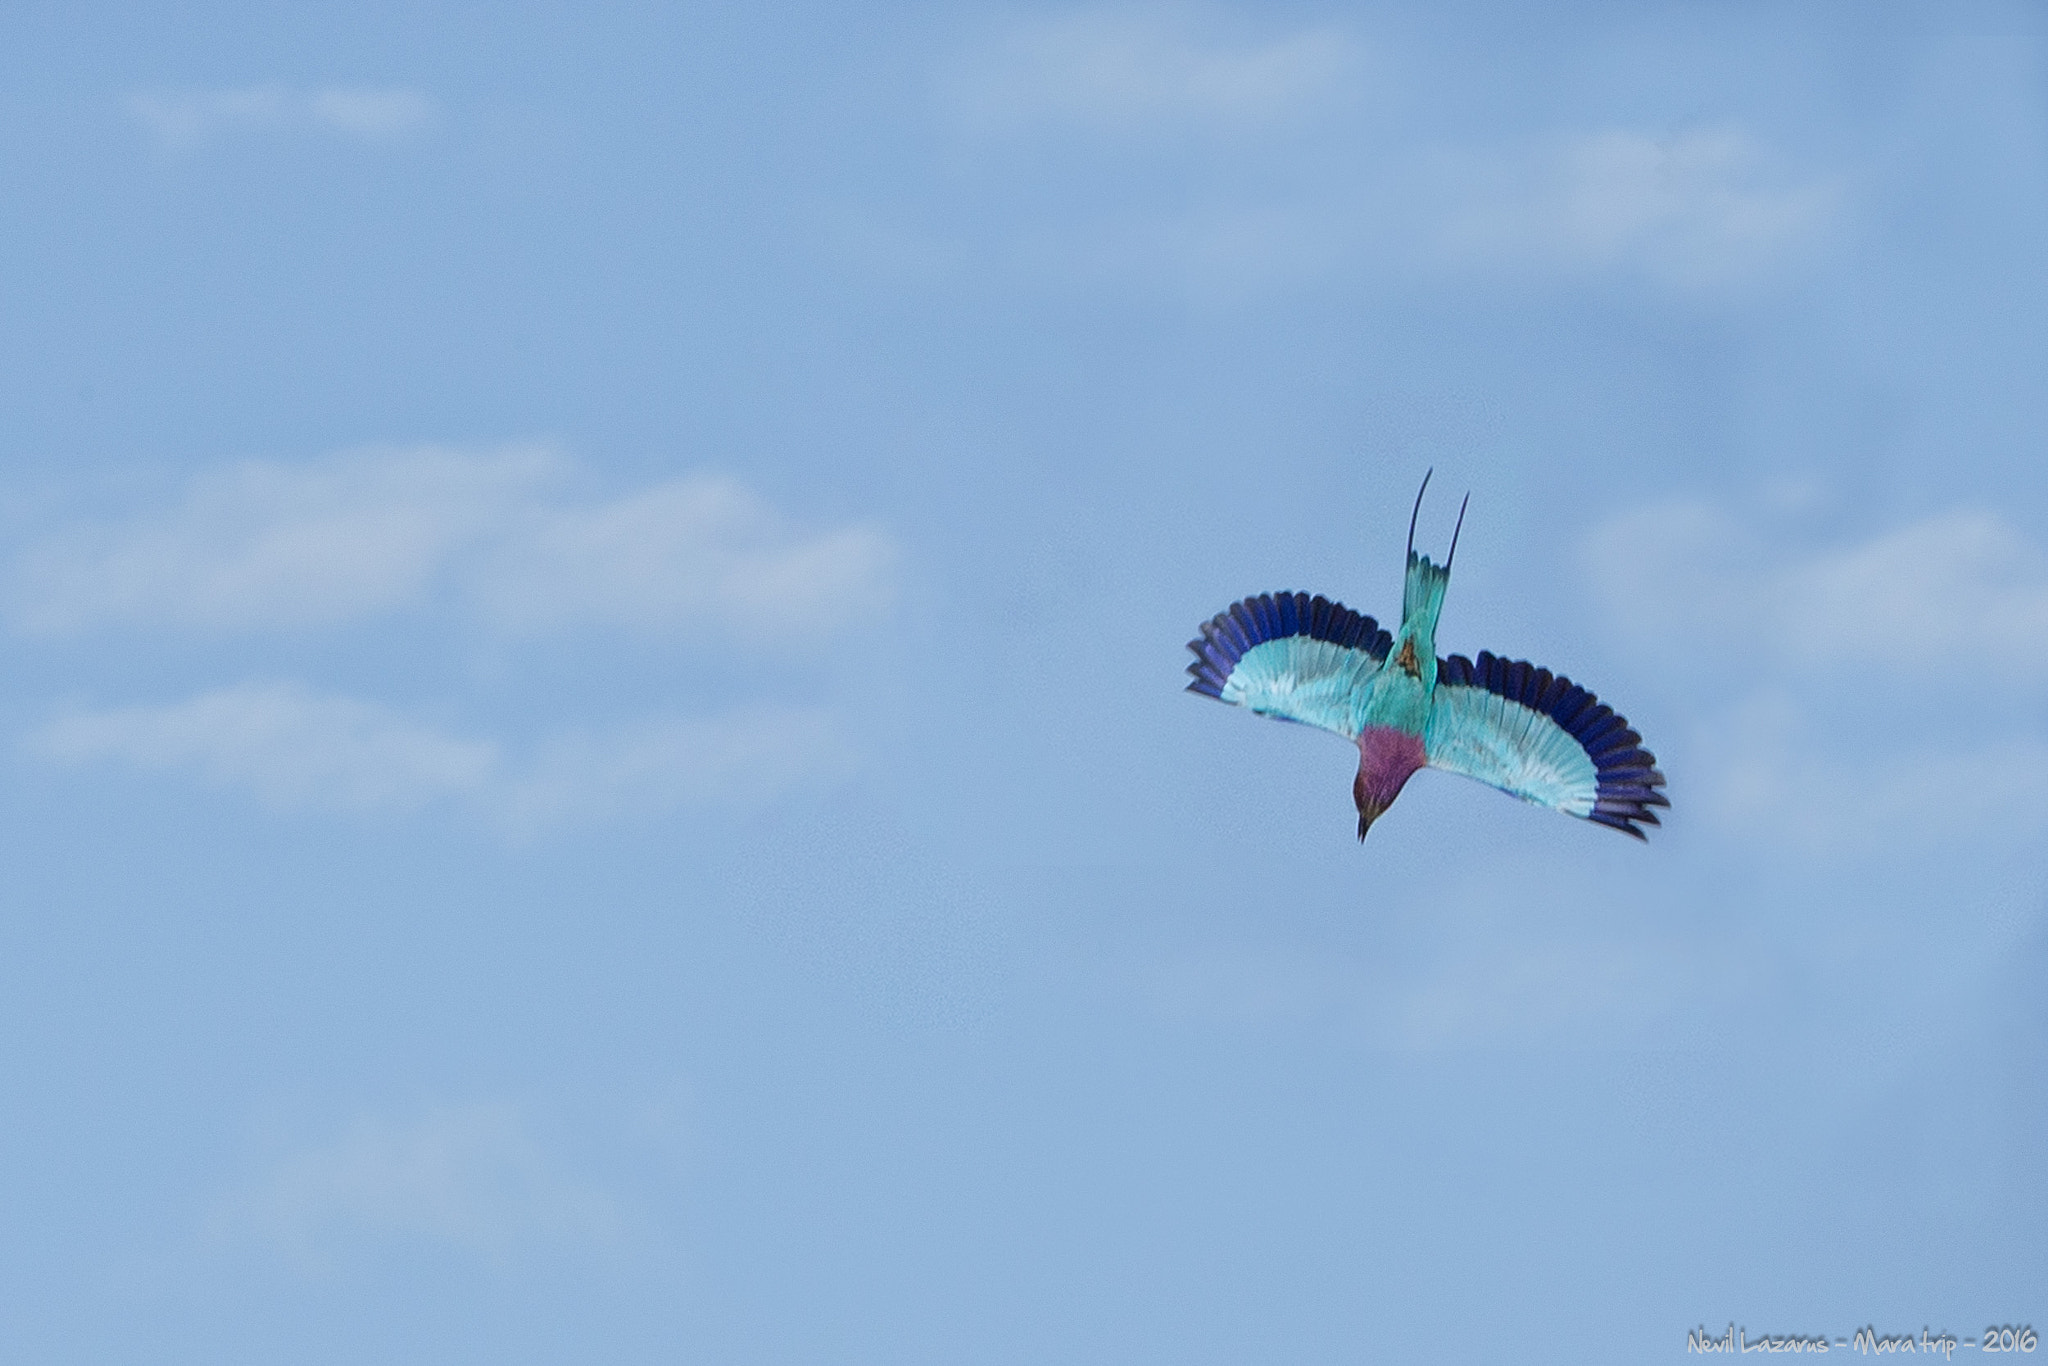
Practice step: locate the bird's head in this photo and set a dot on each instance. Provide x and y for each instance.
(1369, 808)
(1387, 759)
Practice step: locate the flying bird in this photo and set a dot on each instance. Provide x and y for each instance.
(1527, 731)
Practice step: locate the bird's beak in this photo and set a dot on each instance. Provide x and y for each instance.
(1366, 816)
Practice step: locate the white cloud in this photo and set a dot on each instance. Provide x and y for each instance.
(1695, 213)
(369, 113)
(367, 533)
(261, 544)
(294, 748)
(469, 1177)
(183, 119)
(1772, 783)
(1821, 735)
(1694, 209)
(1358, 191)
(742, 758)
(689, 550)
(503, 540)
(1676, 569)
(1127, 72)
(289, 746)
(1518, 995)
(1962, 585)
(1515, 995)
(1207, 257)
(1958, 587)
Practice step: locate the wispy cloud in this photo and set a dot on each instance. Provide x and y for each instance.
(466, 1177)
(1515, 996)
(1961, 583)
(1531, 994)
(741, 758)
(1357, 191)
(297, 749)
(271, 545)
(511, 545)
(183, 119)
(688, 551)
(1694, 214)
(291, 747)
(1695, 208)
(499, 535)
(1210, 256)
(1775, 780)
(369, 113)
(1821, 734)
(1915, 599)
(1127, 72)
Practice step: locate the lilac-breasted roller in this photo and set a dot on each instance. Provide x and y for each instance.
(1531, 733)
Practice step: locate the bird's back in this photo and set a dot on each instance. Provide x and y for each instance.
(1401, 692)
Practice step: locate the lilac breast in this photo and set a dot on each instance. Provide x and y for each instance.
(1387, 758)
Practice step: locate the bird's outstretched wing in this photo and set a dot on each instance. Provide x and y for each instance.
(1541, 737)
(1290, 655)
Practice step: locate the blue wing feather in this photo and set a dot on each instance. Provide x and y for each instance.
(1541, 737)
(1291, 656)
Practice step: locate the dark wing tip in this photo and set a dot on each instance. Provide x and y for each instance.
(1627, 775)
(1621, 823)
(1252, 621)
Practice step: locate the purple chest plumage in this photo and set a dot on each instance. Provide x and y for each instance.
(1387, 758)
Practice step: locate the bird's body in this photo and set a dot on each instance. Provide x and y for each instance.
(1531, 733)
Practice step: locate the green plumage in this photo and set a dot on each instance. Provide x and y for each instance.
(1402, 691)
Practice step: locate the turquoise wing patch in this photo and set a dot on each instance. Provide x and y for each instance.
(1539, 736)
(1291, 656)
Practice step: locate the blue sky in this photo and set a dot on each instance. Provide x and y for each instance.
(591, 616)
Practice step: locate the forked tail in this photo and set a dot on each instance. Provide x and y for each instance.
(1422, 594)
